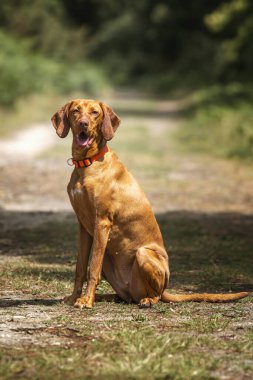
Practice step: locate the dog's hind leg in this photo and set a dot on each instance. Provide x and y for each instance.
(150, 275)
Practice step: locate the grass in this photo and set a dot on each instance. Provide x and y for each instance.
(133, 349)
(133, 354)
(119, 341)
(219, 121)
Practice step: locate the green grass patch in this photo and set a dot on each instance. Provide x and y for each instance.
(132, 352)
(219, 121)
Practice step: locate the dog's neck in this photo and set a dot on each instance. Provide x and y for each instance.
(88, 161)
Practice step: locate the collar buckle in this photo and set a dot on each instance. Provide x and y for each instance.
(70, 162)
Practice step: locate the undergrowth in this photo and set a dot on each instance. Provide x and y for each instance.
(219, 120)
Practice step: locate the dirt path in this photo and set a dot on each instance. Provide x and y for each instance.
(207, 201)
(32, 181)
(27, 144)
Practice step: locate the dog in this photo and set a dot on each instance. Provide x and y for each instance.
(119, 236)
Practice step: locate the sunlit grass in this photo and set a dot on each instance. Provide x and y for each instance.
(219, 122)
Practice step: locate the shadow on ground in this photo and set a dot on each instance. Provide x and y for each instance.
(6, 302)
(208, 252)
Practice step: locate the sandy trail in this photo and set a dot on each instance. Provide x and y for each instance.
(27, 143)
(32, 181)
(27, 180)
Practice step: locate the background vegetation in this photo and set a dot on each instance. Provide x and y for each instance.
(164, 46)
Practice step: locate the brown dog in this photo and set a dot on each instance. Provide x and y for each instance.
(118, 230)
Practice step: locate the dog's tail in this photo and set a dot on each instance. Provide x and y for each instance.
(206, 297)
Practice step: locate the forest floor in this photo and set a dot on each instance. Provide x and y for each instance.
(204, 206)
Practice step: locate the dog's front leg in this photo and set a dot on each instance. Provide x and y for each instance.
(101, 233)
(85, 243)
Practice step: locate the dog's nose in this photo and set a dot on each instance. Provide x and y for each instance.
(84, 123)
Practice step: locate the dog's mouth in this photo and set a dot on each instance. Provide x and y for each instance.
(83, 139)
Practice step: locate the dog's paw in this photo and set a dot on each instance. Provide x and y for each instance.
(148, 302)
(70, 300)
(144, 303)
(84, 301)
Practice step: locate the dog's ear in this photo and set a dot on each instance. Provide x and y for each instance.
(110, 122)
(60, 121)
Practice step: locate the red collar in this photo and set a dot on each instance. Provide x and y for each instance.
(89, 160)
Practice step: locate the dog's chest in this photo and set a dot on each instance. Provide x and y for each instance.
(82, 197)
(77, 190)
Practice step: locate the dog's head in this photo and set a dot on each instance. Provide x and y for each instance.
(92, 124)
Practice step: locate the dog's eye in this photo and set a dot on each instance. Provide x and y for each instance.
(95, 113)
(75, 110)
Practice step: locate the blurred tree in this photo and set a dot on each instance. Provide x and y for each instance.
(232, 23)
(134, 38)
(165, 42)
(41, 50)
(45, 26)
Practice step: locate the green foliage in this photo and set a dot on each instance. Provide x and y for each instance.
(41, 52)
(44, 23)
(157, 44)
(232, 26)
(165, 39)
(220, 122)
(23, 72)
(16, 66)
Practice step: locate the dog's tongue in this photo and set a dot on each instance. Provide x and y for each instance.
(84, 140)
